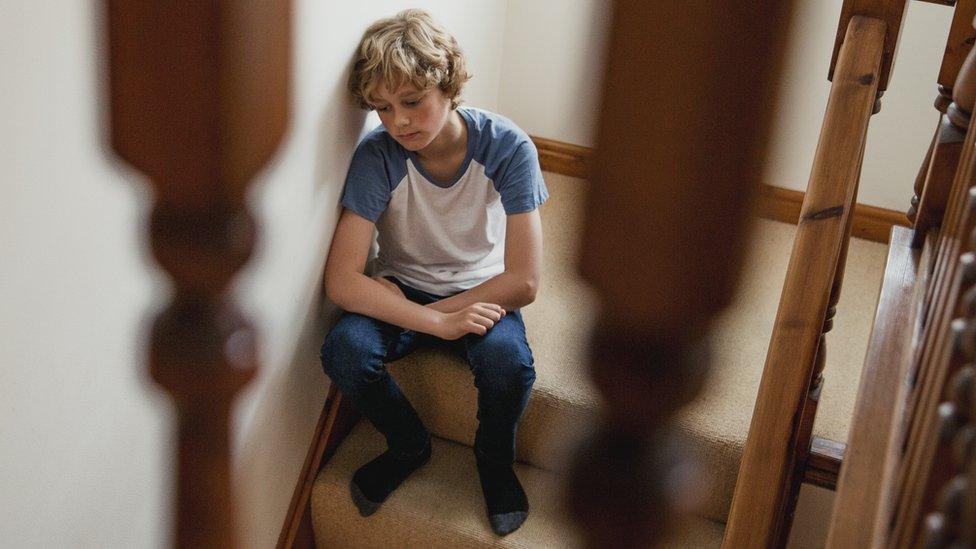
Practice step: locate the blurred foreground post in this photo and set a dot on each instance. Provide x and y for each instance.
(198, 103)
(688, 99)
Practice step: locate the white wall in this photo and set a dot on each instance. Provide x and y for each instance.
(84, 440)
(554, 56)
(898, 136)
(553, 66)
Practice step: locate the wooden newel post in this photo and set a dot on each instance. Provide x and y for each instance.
(199, 95)
(684, 121)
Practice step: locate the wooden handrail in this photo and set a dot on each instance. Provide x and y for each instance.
(768, 464)
(198, 103)
(860, 495)
(892, 12)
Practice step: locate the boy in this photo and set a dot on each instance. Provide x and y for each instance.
(453, 193)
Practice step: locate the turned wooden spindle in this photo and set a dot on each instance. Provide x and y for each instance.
(946, 254)
(941, 104)
(924, 471)
(946, 481)
(664, 238)
(940, 162)
(946, 152)
(945, 523)
(198, 103)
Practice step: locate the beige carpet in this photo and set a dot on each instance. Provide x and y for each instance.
(563, 401)
(440, 506)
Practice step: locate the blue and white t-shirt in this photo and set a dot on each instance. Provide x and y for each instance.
(445, 238)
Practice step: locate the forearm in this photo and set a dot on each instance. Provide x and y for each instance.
(510, 290)
(358, 293)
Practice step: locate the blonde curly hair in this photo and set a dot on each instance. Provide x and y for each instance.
(409, 47)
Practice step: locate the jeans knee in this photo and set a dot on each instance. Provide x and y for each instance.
(348, 356)
(505, 375)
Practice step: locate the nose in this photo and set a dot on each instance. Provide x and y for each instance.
(401, 119)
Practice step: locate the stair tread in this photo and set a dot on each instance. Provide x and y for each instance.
(441, 505)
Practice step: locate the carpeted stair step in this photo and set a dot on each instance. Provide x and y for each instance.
(564, 402)
(441, 506)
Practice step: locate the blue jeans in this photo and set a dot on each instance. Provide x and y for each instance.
(357, 349)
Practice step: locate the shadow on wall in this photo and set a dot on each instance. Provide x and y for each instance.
(280, 437)
(285, 418)
(340, 129)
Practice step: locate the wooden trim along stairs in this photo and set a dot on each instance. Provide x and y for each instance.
(776, 203)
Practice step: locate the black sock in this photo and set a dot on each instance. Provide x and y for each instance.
(504, 497)
(375, 481)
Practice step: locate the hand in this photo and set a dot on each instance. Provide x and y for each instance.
(473, 319)
(390, 286)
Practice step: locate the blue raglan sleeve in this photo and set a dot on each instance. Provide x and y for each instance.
(368, 187)
(521, 186)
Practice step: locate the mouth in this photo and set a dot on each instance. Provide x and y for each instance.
(409, 135)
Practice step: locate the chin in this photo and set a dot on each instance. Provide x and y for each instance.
(415, 147)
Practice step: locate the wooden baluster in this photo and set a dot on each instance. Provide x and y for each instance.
(957, 118)
(948, 480)
(951, 348)
(958, 44)
(941, 104)
(664, 238)
(934, 181)
(943, 482)
(964, 451)
(939, 298)
(198, 102)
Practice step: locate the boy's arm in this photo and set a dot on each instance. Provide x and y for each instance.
(350, 289)
(517, 285)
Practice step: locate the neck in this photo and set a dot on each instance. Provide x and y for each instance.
(452, 137)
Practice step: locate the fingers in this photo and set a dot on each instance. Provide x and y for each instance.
(497, 310)
(492, 314)
(478, 329)
(484, 316)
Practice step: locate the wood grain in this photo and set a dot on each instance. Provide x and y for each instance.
(875, 411)
(768, 461)
(890, 13)
(959, 42)
(929, 364)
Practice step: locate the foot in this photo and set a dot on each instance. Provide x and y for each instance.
(375, 481)
(505, 499)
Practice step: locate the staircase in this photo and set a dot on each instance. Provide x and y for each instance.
(441, 504)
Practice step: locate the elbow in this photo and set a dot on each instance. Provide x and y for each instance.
(530, 286)
(333, 289)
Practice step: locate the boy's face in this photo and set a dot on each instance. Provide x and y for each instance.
(413, 117)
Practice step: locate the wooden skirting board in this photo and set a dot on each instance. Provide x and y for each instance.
(776, 203)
